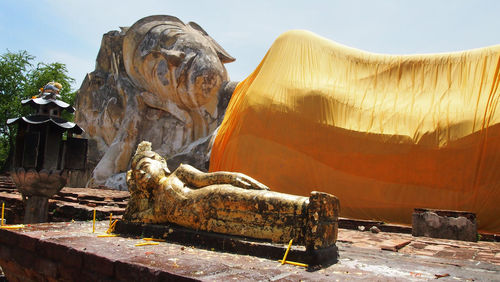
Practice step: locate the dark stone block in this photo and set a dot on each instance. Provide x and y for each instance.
(98, 264)
(5, 252)
(93, 276)
(455, 225)
(26, 242)
(125, 271)
(66, 273)
(73, 258)
(129, 228)
(8, 237)
(46, 267)
(64, 254)
(130, 271)
(167, 276)
(13, 271)
(32, 275)
(348, 223)
(323, 257)
(24, 258)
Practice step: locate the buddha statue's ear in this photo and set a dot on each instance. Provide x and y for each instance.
(221, 53)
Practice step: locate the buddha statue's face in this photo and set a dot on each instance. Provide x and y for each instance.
(175, 61)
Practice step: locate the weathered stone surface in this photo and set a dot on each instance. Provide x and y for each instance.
(117, 181)
(196, 154)
(445, 224)
(228, 203)
(159, 80)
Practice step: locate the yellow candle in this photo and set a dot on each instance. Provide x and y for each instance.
(93, 223)
(17, 226)
(3, 208)
(287, 250)
(146, 244)
(294, 263)
(112, 226)
(153, 239)
(107, 235)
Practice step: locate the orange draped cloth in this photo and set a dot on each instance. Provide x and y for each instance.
(385, 134)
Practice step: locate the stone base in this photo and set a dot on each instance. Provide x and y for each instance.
(229, 243)
(69, 251)
(455, 225)
(37, 209)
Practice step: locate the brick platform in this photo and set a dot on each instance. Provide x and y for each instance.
(68, 204)
(481, 252)
(70, 251)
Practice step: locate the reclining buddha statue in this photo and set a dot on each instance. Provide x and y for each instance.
(226, 202)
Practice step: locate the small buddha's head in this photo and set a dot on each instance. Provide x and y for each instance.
(147, 169)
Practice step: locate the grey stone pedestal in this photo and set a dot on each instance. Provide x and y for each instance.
(37, 209)
(456, 225)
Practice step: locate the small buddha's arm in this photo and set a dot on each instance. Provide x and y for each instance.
(198, 179)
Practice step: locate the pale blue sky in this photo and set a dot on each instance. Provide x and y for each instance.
(70, 31)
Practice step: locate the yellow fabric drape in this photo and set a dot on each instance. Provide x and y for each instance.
(383, 133)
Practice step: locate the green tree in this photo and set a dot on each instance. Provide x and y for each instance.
(21, 78)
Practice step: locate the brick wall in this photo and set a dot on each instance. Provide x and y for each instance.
(25, 258)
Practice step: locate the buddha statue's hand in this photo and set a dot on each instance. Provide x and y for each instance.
(247, 182)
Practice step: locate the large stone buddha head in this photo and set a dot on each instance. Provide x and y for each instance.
(175, 61)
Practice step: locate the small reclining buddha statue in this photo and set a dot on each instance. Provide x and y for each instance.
(226, 202)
